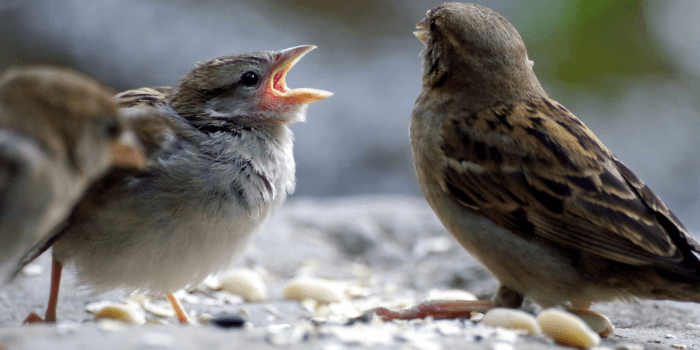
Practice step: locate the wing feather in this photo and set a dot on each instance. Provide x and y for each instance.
(536, 169)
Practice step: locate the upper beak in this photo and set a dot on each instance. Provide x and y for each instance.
(277, 85)
(127, 151)
(422, 32)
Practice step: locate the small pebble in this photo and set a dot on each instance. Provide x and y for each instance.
(318, 289)
(121, 312)
(511, 319)
(567, 329)
(246, 283)
(227, 321)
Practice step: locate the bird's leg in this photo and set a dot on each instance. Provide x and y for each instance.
(50, 317)
(179, 311)
(438, 310)
(598, 322)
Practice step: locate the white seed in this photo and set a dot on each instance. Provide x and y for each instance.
(318, 289)
(566, 328)
(246, 283)
(32, 270)
(121, 312)
(598, 322)
(162, 309)
(511, 319)
(450, 294)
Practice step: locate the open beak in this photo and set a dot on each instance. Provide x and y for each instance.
(422, 32)
(277, 85)
(127, 152)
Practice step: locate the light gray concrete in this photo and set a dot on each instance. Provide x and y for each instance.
(403, 251)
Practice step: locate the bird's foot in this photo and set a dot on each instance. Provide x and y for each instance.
(33, 318)
(438, 310)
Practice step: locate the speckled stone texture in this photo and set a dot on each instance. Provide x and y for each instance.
(387, 251)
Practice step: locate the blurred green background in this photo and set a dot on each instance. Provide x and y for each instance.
(629, 69)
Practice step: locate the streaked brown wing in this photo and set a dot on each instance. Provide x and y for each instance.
(536, 169)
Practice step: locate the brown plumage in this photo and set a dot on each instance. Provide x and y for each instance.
(59, 131)
(525, 186)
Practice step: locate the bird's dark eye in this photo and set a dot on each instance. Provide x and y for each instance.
(249, 79)
(432, 25)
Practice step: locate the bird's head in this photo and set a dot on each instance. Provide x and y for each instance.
(69, 115)
(472, 48)
(246, 89)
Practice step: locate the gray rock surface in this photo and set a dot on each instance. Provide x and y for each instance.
(391, 251)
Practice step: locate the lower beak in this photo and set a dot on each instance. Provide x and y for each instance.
(277, 85)
(422, 32)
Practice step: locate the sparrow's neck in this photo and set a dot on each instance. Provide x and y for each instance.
(480, 81)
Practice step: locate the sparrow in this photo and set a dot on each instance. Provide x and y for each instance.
(59, 132)
(219, 161)
(525, 187)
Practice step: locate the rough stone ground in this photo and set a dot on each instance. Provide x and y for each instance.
(388, 251)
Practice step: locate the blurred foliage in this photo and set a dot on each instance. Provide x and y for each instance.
(590, 42)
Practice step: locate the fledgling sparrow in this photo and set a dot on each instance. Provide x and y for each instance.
(59, 132)
(525, 186)
(219, 161)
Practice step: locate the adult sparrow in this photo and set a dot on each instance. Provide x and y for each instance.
(59, 131)
(219, 161)
(526, 187)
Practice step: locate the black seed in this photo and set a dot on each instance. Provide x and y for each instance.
(228, 321)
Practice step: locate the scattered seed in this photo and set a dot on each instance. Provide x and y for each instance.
(511, 319)
(121, 312)
(567, 329)
(318, 289)
(450, 294)
(598, 322)
(227, 321)
(32, 270)
(246, 283)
